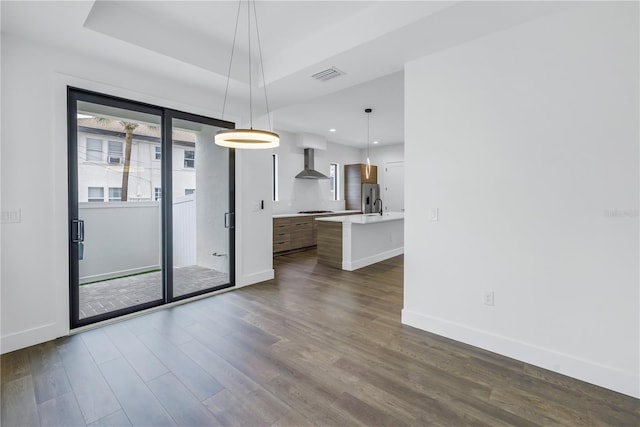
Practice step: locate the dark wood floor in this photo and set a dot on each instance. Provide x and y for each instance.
(315, 346)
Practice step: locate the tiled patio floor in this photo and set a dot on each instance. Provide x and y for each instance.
(110, 295)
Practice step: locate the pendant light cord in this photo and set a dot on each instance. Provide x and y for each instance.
(250, 83)
(233, 49)
(368, 129)
(247, 138)
(368, 167)
(264, 82)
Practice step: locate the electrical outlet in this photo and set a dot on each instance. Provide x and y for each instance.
(487, 298)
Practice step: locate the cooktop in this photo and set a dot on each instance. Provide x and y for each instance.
(314, 212)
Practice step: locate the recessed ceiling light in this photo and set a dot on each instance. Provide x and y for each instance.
(375, 142)
(332, 130)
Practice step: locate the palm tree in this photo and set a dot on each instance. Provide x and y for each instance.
(128, 137)
(128, 130)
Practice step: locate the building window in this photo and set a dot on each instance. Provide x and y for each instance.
(96, 194)
(189, 191)
(94, 150)
(189, 159)
(115, 194)
(158, 154)
(274, 177)
(115, 152)
(334, 180)
(158, 193)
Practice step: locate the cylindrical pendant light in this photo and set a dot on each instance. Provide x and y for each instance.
(367, 169)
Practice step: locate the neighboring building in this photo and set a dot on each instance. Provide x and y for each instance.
(101, 150)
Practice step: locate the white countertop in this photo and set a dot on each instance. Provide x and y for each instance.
(366, 218)
(287, 215)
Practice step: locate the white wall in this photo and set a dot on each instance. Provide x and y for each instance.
(309, 194)
(212, 195)
(254, 222)
(527, 143)
(379, 156)
(34, 252)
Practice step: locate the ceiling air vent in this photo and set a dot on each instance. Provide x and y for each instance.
(327, 74)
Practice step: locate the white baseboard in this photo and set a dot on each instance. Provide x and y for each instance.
(584, 370)
(363, 262)
(253, 278)
(29, 337)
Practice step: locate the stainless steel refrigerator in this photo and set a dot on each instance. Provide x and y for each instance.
(370, 193)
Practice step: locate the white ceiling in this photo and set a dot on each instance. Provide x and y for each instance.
(368, 40)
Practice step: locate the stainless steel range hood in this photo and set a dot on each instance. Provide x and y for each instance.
(309, 172)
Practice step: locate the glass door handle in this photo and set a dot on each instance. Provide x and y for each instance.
(79, 231)
(229, 220)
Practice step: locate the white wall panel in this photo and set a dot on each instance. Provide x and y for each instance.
(527, 143)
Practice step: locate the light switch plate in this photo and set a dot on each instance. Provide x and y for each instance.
(11, 217)
(433, 214)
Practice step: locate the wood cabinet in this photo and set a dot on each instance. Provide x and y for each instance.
(281, 234)
(354, 177)
(302, 232)
(293, 233)
(330, 244)
(373, 174)
(296, 232)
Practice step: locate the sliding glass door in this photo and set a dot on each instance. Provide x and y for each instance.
(200, 205)
(134, 210)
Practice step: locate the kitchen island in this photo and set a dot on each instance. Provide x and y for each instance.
(298, 231)
(355, 241)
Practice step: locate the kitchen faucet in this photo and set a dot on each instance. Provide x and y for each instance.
(376, 201)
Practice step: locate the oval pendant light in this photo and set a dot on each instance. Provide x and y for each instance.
(247, 138)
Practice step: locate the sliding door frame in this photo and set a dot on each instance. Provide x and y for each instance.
(166, 115)
(167, 206)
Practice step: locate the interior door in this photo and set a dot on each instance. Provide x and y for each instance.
(393, 187)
